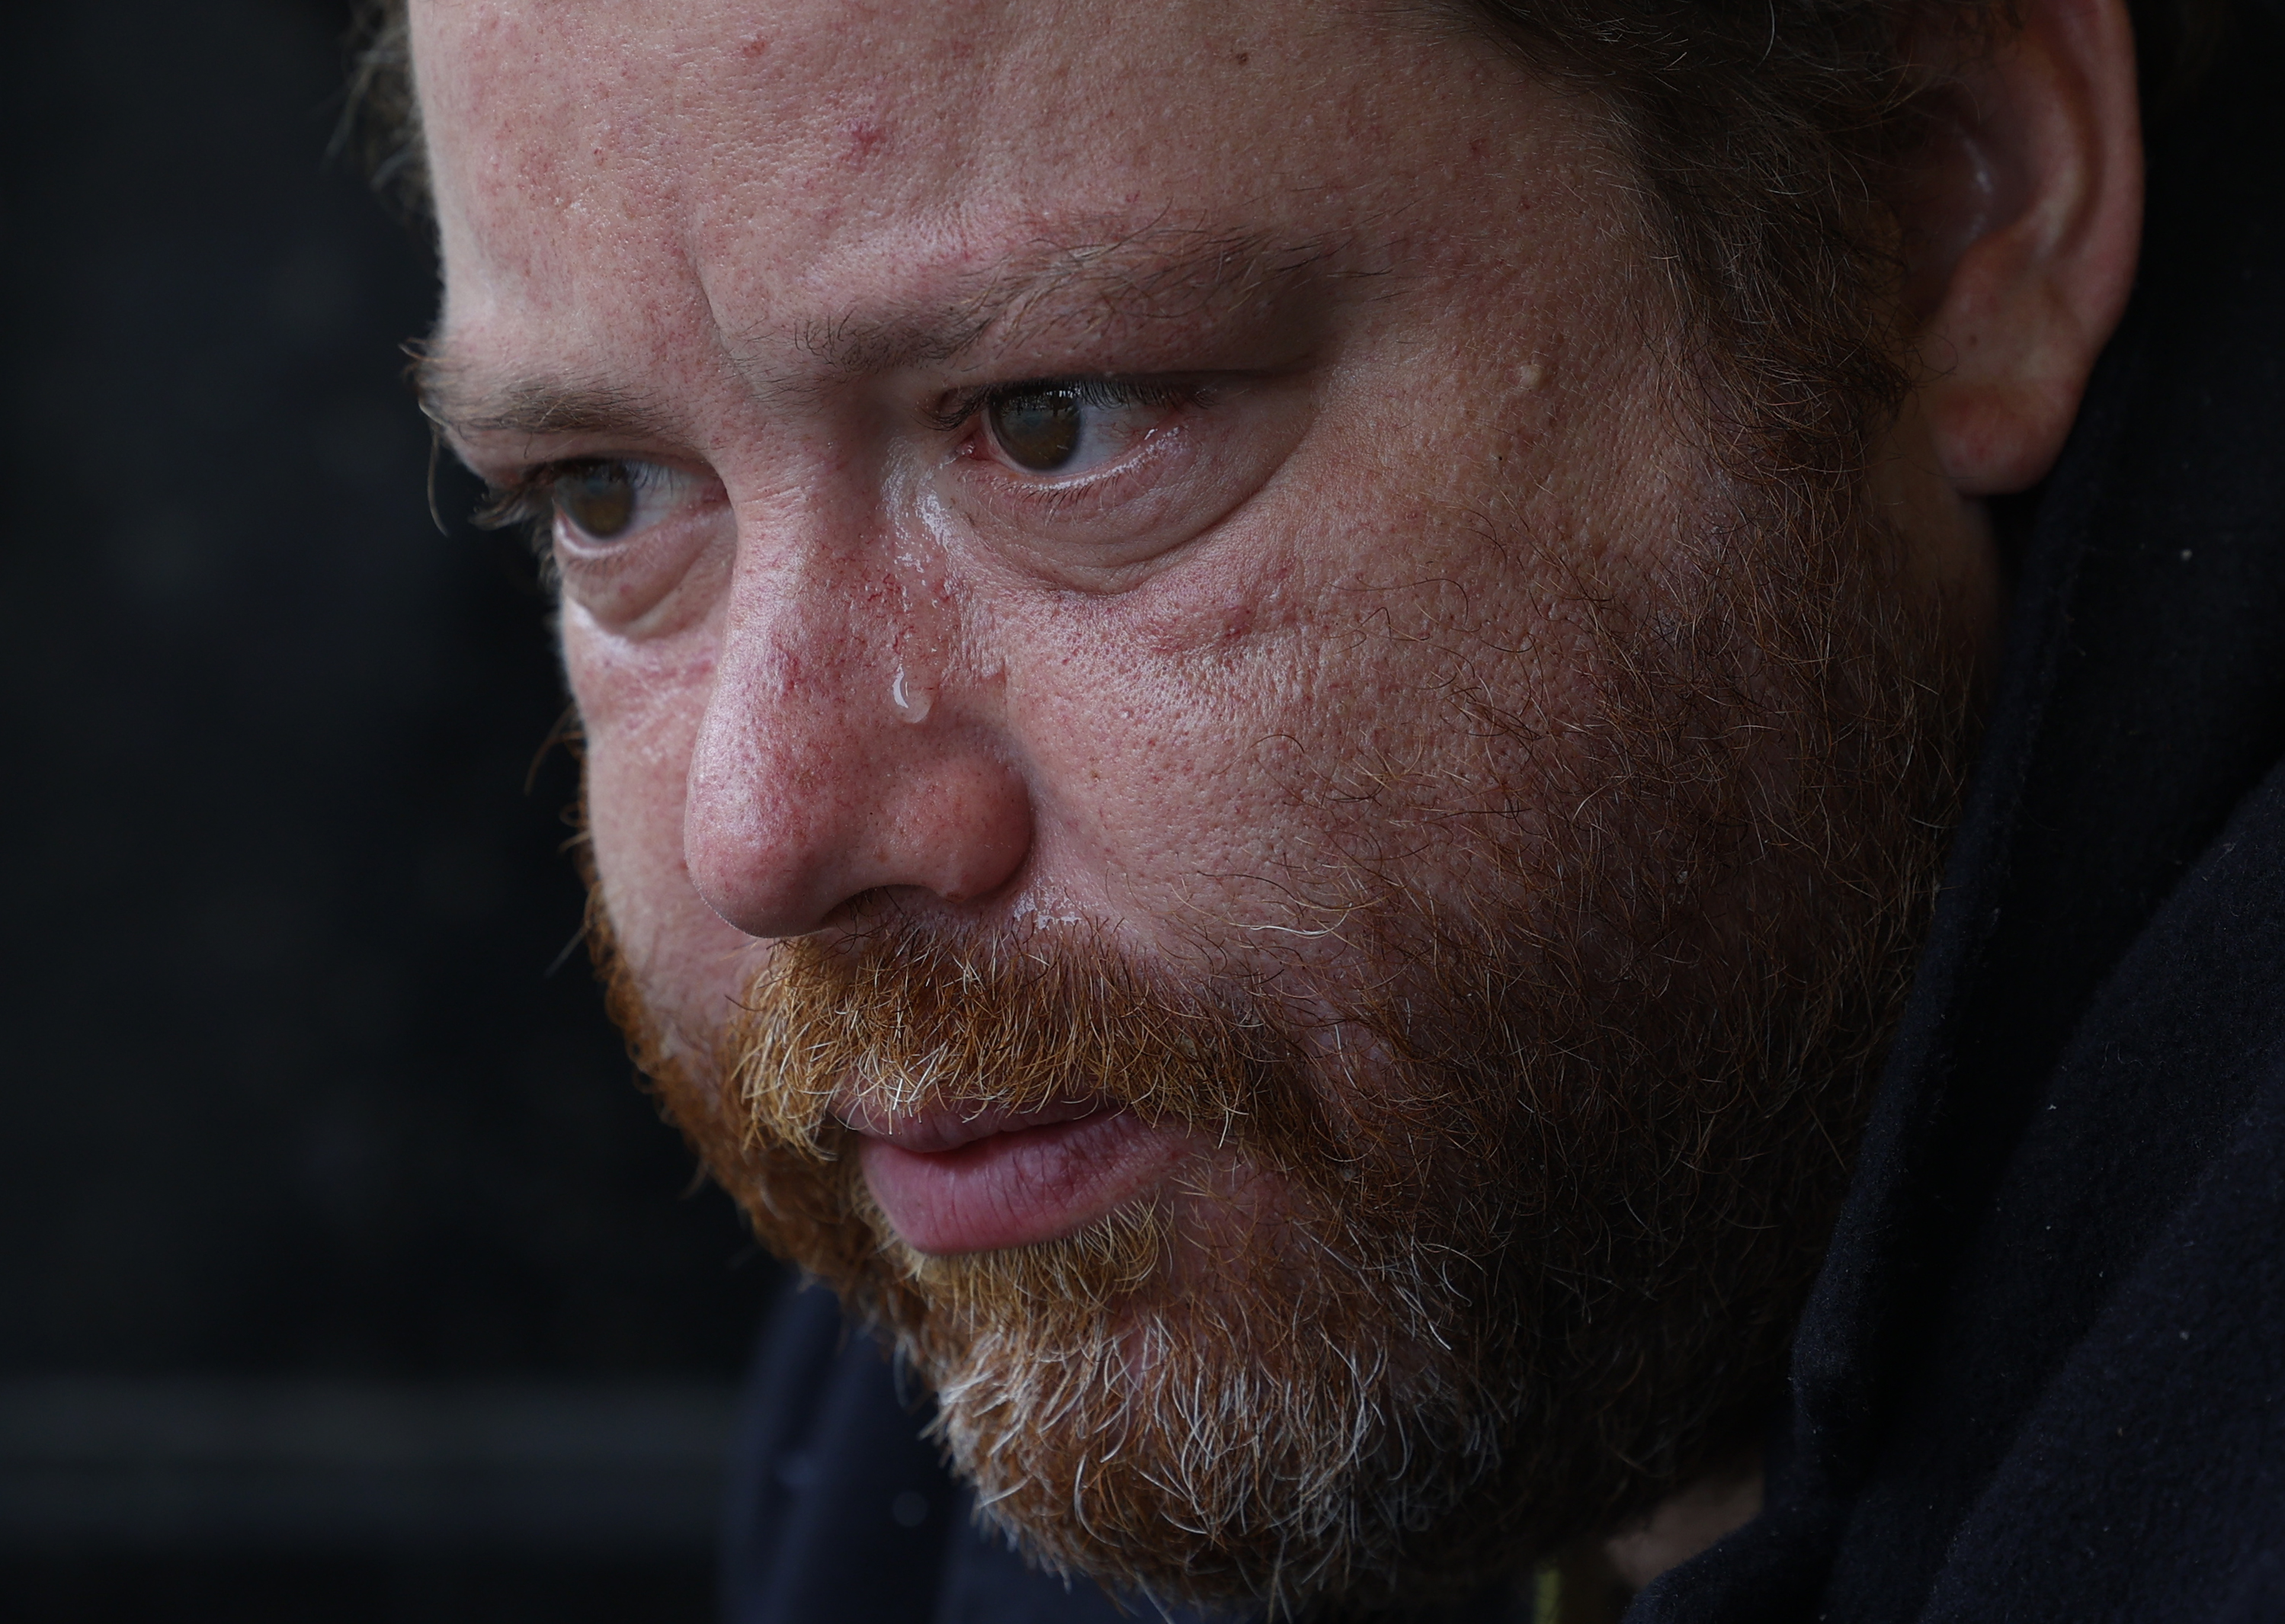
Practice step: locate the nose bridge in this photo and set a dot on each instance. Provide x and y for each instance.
(829, 761)
(814, 617)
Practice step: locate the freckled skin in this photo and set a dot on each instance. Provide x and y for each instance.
(1418, 451)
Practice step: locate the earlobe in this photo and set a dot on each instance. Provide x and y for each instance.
(2028, 228)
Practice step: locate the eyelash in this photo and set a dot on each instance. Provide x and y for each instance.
(528, 501)
(964, 408)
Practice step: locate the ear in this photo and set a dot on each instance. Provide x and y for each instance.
(2021, 226)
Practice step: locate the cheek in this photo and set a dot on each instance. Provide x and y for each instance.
(639, 706)
(1377, 681)
(1225, 766)
(1148, 785)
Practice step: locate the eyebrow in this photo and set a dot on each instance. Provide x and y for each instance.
(451, 399)
(1157, 274)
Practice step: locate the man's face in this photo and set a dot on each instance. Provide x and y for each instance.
(1184, 741)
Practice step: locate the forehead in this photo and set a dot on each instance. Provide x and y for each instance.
(613, 177)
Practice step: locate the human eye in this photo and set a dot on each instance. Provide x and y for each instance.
(606, 499)
(1091, 478)
(597, 501)
(619, 532)
(1066, 428)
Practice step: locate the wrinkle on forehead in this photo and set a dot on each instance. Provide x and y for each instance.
(691, 205)
(1057, 288)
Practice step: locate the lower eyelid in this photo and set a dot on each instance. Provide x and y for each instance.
(1130, 443)
(1054, 494)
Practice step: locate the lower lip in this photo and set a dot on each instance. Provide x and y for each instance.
(1021, 1188)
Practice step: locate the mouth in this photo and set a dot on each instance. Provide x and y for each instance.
(952, 1181)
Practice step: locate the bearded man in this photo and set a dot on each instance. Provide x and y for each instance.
(1272, 694)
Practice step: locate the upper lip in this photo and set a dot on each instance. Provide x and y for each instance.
(947, 1125)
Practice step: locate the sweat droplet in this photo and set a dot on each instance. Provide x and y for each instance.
(912, 702)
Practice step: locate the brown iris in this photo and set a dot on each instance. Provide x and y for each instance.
(598, 497)
(1038, 427)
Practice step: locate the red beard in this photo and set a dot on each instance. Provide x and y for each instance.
(1519, 1201)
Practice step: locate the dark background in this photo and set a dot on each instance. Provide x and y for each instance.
(311, 1171)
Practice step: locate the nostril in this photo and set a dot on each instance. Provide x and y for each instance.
(866, 907)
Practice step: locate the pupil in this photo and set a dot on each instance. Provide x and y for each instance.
(1038, 429)
(598, 498)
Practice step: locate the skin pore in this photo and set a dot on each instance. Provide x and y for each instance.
(1359, 388)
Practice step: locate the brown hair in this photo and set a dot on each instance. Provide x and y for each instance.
(1768, 136)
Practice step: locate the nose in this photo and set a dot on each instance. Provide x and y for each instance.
(838, 755)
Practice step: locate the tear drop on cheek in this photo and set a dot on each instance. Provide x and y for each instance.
(911, 699)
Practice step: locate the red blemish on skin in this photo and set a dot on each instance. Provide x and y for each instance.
(1478, 147)
(864, 136)
(753, 48)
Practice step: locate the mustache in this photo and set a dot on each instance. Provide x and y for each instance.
(902, 1016)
